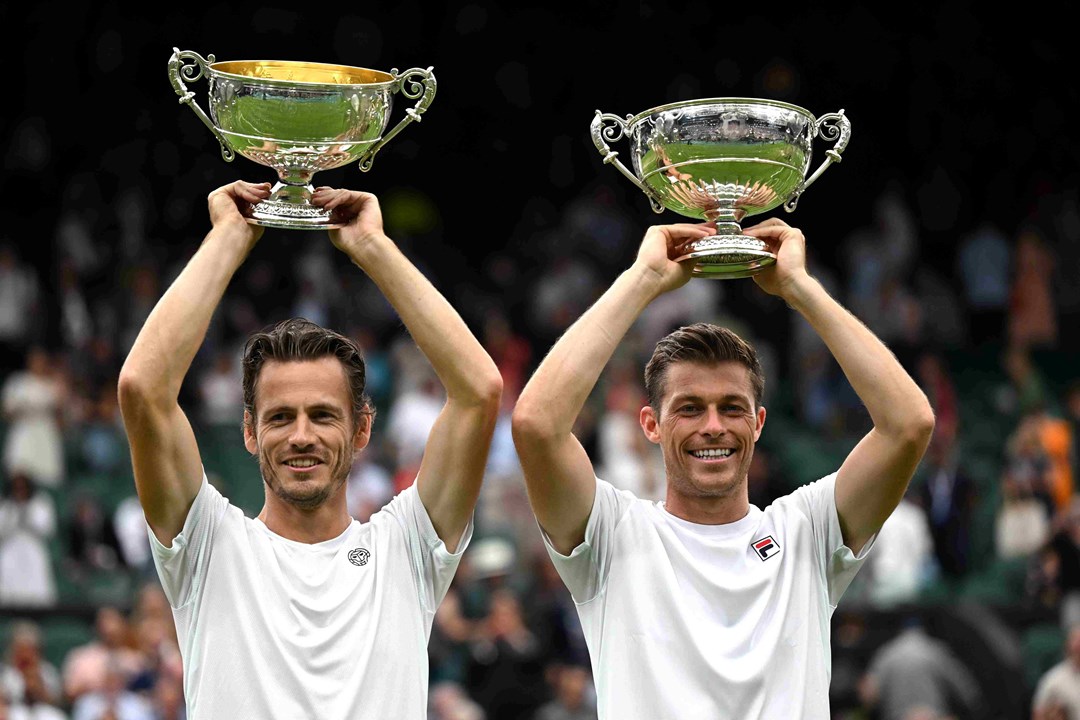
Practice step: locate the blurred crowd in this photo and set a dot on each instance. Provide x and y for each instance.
(506, 643)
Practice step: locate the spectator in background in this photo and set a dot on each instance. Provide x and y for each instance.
(86, 667)
(902, 560)
(949, 496)
(1028, 385)
(221, 391)
(933, 376)
(102, 446)
(368, 488)
(1057, 696)
(1023, 522)
(915, 675)
(92, 542)
(449, 701)
(27, 524)
(574, 696)
(1026, 462)
(113, 701)
(626, 458)
(412, 416)
(984, 272)
(1065, 548)
(19, 289)
(31, 402)
(26, 677)
(1032, 316)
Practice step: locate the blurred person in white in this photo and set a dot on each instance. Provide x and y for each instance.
(19, 292)
(26, 677)
(1022, 524)
(113, 701)
(917, 677)
(412, 415)
(27, 526)
(575, 698)
(1057, 695)
(449, 701)
(302, 611)
(903, 559)
(221, 391)
(368, 488)
(626, 458)
(86, 667)
(705, 606)
(32, 402)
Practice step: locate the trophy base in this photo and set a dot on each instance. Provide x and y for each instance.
(289, 207)
(728, 257)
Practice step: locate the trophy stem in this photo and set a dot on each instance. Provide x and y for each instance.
(729, 254)
(289, 206)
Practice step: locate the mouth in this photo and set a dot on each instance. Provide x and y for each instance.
(303, 464)
(712, 454)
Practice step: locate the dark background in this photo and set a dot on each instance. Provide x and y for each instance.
(964, 110)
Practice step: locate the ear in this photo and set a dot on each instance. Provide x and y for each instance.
(650, 424)
(249, 434)
(363, 432)
(760, 423)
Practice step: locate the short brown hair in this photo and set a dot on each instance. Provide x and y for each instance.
(704, 343)
(297, 339)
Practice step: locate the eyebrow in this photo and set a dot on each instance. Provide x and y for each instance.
(684, 397)
(316, 407)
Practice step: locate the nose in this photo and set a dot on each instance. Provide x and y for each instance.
(303, 432)
(714, 422)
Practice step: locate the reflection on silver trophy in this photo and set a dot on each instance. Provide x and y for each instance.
(299, 118)
(722, 159)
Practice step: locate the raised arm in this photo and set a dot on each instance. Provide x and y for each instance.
(558, 473)
(164, 455)
(457, 449)
(875, 475)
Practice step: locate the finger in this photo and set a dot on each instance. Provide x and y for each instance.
(251, 193)
(772, 231)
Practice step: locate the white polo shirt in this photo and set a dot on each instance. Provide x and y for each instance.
(710, 622)
(272, 628)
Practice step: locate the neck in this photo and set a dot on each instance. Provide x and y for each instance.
(314, 525)
(708, 510)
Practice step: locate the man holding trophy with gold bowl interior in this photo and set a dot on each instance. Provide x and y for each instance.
(303, 612)
(704, 606)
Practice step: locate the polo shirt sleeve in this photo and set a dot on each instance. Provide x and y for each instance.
(432, 565)
(839, 563)
(182, 566)
(585, 569)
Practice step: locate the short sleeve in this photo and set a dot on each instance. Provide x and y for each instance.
(585, 569)
(182, 566)
(432, 564)
(840, 564)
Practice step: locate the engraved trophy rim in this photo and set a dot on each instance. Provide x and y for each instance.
(635, 119)
(217, 69)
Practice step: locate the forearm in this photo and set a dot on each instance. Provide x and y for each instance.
(172, 334)
(557, 391)
(464, 368)
(895, 402)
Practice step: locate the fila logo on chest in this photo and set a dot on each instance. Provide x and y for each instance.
(359, 556)
(765, 547)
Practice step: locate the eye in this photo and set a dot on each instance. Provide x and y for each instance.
(689, 409)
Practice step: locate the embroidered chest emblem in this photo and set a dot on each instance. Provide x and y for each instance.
(766, 547)
(359, 556)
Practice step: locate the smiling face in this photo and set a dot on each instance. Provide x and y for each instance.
(706, 426)
(303, 430)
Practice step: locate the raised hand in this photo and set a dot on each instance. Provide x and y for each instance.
(361, 212)
(664, 243)
(789, 244)
(230, 204)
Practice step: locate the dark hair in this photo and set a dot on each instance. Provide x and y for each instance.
(704, 343)
(298, 339)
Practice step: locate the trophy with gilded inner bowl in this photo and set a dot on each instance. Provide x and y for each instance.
(299, 118)
(722, 159)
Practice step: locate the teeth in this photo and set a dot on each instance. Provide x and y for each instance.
(302, 463)
(719, 453)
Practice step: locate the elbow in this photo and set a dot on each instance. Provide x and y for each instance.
(921, 427)
(134, 391)
(529, 423)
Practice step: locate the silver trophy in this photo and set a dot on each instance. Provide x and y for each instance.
(722, 159)
(299, 118)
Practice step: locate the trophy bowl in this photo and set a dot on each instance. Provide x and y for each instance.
(298, 118)
(722, 159)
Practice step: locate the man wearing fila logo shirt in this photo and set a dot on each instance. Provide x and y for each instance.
(703, 606)
(304, 612)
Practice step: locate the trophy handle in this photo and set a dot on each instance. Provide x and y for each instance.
(834, 126)
(615, 132)
(192, 71)
(411, 84)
